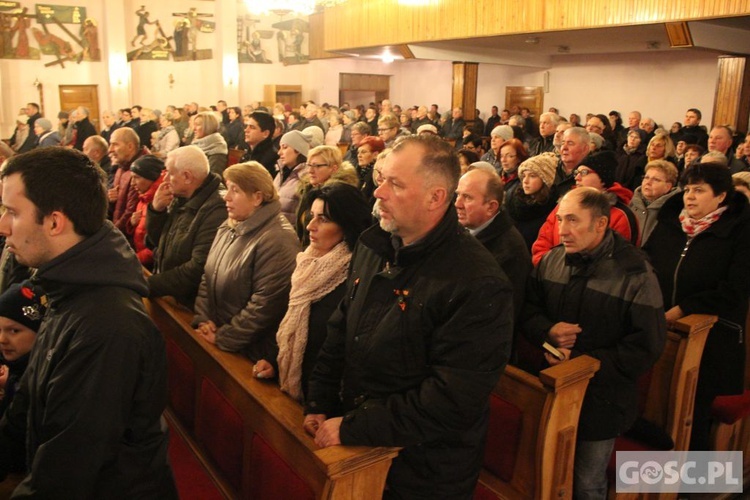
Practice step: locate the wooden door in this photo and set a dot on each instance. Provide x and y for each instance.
(72, 96)
(525, 97)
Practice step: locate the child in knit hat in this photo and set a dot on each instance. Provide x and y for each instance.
(21, 312)
(536, 197)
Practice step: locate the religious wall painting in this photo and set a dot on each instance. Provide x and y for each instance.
(253, 44)
(292, 41)
(181, 45)
(60, 31)
(260, 40)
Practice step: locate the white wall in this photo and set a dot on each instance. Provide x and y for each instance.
(661, 85)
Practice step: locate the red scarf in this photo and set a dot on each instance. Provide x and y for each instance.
(693, 227)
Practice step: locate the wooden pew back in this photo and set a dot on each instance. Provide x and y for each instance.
(532, 435)
(248, 433)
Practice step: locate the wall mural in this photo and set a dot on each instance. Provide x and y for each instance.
(262, 41)
(61, 32)
(181, 45)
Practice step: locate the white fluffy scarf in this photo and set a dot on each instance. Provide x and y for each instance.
(313, 278)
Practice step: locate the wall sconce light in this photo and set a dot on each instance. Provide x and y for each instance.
(37, 83)
(171, 80)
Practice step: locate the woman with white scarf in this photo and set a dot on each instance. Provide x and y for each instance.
(207, 137)
(339, 213)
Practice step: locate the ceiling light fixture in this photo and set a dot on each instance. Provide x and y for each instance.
(283, 8)
(563, 49)
(532, 40)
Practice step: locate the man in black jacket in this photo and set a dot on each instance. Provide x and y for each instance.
(596, 294)
(90, 403)
(479, 203)
(259, 138)
(421, 337)
(83, 126)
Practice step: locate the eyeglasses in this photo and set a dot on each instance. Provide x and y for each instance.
(653, 179)
(316, 165)
(583, 172)
(385, 129)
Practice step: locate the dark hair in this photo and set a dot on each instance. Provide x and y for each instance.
(470, 155)
(539, 198)
(237, 110)
(716, 175)
(618, 119)
(345, 205)
(264, 120)
(696, 111)
(136, 106)
(65, 180)
(439, 159)
(33, 105)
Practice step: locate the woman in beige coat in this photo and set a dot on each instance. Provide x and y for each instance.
(244, 291)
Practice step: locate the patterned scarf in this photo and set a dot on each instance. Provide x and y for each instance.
(694, 227)
(314, 277)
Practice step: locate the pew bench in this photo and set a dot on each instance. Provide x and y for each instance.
(731, 429)
(532, 433)
(668, 396)
(247, 433)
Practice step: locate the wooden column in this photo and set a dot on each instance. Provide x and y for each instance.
(732, 102)
(465, 88)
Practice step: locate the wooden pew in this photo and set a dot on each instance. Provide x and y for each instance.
(670, 396)
(247, 432)
(234, 155)
(731, 430)
(533, 427)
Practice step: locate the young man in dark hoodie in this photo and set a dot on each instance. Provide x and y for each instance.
(87, 416)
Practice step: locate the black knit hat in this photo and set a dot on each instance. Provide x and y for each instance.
(604, 163)
(148, 166)
(22, 304)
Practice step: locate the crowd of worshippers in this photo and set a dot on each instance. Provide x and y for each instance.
(386, 283)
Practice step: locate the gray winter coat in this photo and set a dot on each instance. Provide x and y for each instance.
(246, 283)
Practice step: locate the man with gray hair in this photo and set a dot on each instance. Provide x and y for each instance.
(576, 144)
(548, 123)
(84, 127)
(418, 342)
(95, 147)
(720, 141)
(480, 209)
(181, 222)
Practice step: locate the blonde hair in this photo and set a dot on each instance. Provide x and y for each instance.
(668, 144)
(210, 123)
(331, 155)
(666, 167)
(252, 177)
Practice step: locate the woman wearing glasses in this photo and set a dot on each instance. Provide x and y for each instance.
(324, 165)
(659, 184)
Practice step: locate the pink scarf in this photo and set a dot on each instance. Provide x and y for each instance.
(694, 227)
